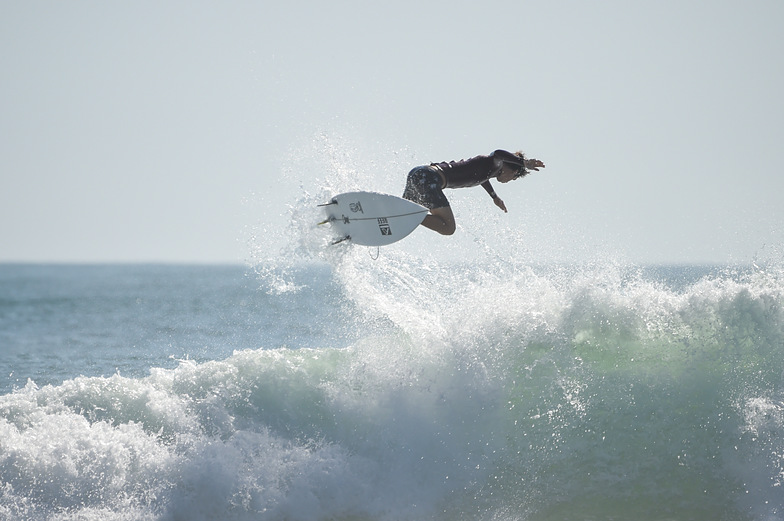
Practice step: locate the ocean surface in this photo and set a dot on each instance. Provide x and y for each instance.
(390, 388)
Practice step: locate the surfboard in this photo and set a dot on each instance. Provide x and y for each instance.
(371, 218)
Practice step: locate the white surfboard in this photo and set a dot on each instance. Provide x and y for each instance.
(372, 219)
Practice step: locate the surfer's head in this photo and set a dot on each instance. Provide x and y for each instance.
(511, 171)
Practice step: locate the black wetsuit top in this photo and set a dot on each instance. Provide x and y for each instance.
(477, 170)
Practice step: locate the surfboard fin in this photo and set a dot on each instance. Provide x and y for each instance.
(338, 241)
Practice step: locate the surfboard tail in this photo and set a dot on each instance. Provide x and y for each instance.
(371, 218)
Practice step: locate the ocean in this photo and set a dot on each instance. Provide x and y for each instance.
(391, 388)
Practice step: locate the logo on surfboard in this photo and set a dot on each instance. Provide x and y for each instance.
(356, 207)
(383, 225)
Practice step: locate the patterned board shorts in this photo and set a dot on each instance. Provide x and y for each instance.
(423, 186)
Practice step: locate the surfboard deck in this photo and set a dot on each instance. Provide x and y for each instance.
(372, 218)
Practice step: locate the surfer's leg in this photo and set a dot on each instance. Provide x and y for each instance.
(424, 186)
(441, 220)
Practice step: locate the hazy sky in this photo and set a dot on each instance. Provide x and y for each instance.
(192, 131)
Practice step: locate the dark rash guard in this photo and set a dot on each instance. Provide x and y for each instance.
(477, 170)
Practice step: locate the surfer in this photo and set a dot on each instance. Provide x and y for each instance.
(425, 184)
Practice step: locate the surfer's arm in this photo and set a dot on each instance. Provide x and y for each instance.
(497, 200)
(489, 188)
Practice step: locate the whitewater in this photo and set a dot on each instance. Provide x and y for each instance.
(436, 379)
(391, 389)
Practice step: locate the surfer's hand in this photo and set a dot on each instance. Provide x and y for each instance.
(533, 164)
(499, 203)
